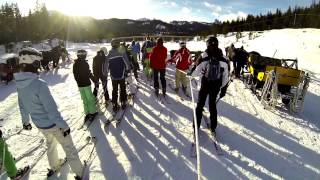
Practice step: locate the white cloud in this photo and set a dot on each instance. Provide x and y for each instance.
(185, 10)
(232, 16)
(169, 4)
(216, 9)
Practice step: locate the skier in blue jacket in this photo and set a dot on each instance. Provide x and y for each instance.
(36, 103)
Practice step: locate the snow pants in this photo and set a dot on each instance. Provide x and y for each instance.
(104, 87)
(162, 79)
(89, 101)
(181, 78)
(55, 135)
(212, 89)
(123, 92)
(7, 159)
(147, 69)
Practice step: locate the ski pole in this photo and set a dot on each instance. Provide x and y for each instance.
(195, 132)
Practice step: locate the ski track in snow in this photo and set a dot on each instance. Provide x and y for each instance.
(154, 139)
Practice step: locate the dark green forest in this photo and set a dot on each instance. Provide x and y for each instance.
(42, 24)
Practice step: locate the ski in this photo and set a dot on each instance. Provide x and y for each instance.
(21, 173)
(53, 172)
(193, 150)
(216, 145)
(87, 163)
(31, 150)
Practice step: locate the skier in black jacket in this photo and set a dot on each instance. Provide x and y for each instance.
(82, 75)
(97, 64)
(213, 69)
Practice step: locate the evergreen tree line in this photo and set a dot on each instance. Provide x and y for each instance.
(298, 17)
(41, 24)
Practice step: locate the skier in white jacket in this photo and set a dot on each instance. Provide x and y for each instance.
(37, 103)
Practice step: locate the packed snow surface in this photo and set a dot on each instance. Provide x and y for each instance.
(154, 139)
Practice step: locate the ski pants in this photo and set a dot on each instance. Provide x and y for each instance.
(212, 89)
(181, 78)
(162, 79)
(89, 101)
(54, 135)
(147, 69)
(123, 92)
(7, 159)
(104, 86)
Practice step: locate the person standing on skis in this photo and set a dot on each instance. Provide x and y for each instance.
(82, 75)
(36, 102)
(8, 161)
(97, 65)
(212, 67)
(158, 59)
(118, 65)
(182, 58)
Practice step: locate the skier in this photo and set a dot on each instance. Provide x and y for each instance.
(9, 162)
(158, 58)
(135, 50)
(182, 58)
(118, 65)
(146, 50)
(138, 48)
(214, 72)
(82, 75)
(97, 65)
(36, 101)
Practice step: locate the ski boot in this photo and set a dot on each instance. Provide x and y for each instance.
(164, 92)
(20, 173)
(115, 107)
(123, 105)
(156, 92)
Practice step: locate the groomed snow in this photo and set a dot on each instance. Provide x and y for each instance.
(154, 139)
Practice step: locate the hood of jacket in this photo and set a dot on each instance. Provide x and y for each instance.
(24, 79)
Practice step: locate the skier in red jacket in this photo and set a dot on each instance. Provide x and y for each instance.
(158, 64)
(182, 58)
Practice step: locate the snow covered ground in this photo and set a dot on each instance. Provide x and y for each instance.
(154, 139)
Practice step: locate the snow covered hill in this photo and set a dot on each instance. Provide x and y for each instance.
(154, 139)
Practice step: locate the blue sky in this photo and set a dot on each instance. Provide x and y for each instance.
(167, 10)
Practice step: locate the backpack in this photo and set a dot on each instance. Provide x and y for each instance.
(214, 70)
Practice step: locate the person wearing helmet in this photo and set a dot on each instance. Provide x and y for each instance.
(158, 59)
(82, 75)
(135, 50)
(212, 67)
(37, 103)
(118, 65)
(97, 65)
(182, 58)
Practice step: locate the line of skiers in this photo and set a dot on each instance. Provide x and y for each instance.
(37, 104)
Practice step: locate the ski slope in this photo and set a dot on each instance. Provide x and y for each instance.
(154, 139)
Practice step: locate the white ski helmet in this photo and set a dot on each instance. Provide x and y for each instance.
(30, 56)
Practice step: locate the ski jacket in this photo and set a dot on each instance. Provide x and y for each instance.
(36, 101)
(182, 57)
(97, 64)
(117, 63)
(158, 57)
(82, 73)
(136, 48)
(147, 48)
(202, 68)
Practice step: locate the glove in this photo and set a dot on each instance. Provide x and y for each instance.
(189, 73)
(27, 126)
(65, 132)
(0, 134)
(223, 91)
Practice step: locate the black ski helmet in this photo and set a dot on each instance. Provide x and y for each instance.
(81, 54)
(212, 40)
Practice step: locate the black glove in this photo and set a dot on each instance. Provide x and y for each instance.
(0, 134)
(66, 132)
(223, 91)
(27, 126)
